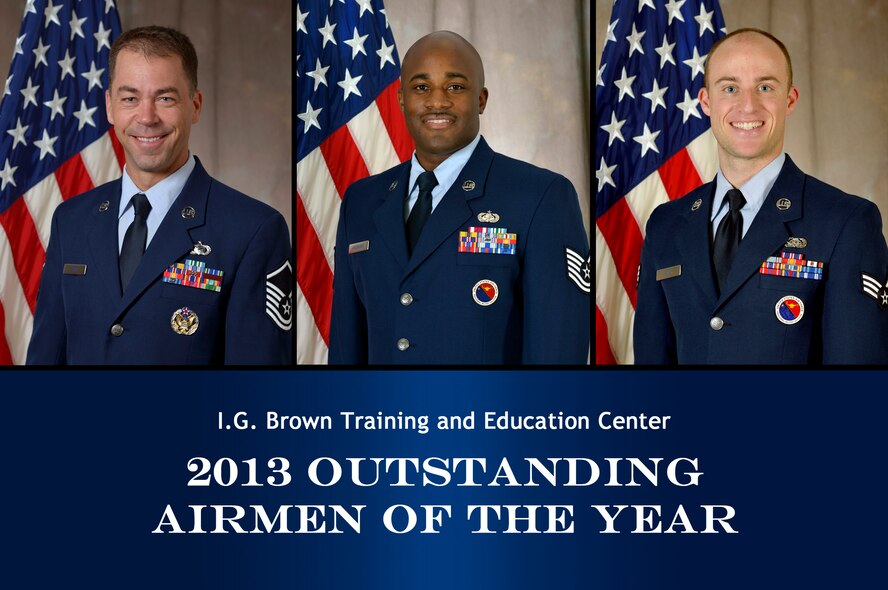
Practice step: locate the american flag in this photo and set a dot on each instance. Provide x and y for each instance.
(653, 143)
(348, 126)
(55, 143)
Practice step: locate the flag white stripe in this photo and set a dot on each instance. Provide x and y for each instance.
(613, 301)
(41, 202)
(370, 135)
(645, 197)
(17, 314)
(704, 154)
(101, 161)
(310, 347)
(315, 184)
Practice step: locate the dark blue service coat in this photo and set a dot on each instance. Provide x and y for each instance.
(388, 308)
(679, 318)
(82, 317)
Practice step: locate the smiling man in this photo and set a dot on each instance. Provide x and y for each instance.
(461, 255)
(765, 264)
(165, 265)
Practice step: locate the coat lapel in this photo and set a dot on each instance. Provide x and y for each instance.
(453, 211)
(172, 240)
(101, 237)
(389, 217)
(768, 230)
(694, 245)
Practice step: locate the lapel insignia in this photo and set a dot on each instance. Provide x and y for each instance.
(104, 206)
(393, 185)
(792, 265)
(200, 249)
(876, 290)
(784, 204)
(696, 204)
(468, 185)
(188, 213)
(487, 240)
(194, 274)
(795, 243)
(184, 321)
(789, 310)
(489, 217)
(485, 292)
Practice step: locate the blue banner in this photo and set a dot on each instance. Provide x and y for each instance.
(443, 479)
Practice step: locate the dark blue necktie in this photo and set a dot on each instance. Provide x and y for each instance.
(727, 237)
(134, 240)
(421, 210)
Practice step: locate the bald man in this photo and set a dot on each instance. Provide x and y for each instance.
(765, 264)
(460, 256)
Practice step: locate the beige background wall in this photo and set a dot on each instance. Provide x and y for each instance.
(839, 50)
(244, 137)
(536, 63)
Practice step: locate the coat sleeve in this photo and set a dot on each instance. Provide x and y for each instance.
(855, 324)
(557, 312)
(348, 322)
(48, 343)
(653, 335)
(258, 323)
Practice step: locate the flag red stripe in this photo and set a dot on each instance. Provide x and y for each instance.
(624, 239)
(312, 271)
(390, 110)
(118, 149)
(27, 251)
(679, 175)
(73, 177)
(344, 159)
(603, 353)
(5, 354)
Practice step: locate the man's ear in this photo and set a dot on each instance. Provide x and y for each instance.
(703, 97)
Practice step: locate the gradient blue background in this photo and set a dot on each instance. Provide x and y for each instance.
(91, 458)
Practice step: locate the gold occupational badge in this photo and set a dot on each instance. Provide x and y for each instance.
(184, 321)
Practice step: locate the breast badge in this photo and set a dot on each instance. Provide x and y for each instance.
(485, 292)
(184, 321)
(789, 310)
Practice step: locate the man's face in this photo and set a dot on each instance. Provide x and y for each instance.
(442, 97)
(748, 99)
(149, 105)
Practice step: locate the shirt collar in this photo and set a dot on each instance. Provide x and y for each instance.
(161, 195)
(755, 190)
(448, 170)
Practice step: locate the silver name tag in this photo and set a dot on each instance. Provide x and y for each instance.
(358, 247)
(669, 272)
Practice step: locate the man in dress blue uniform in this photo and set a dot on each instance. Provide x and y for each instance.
(462, 255)
(764, 264)
(164, 265)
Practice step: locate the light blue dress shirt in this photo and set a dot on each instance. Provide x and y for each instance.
(754, 191)
(446, 173)
(161, 197)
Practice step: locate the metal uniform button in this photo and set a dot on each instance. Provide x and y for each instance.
(716, 323)
(403, 344)
(406, 299)
(116, 330)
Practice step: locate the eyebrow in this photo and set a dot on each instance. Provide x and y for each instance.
(165, 90)
(425, 76)
(735, 79)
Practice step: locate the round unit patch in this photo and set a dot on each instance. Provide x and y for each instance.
(184, 321)
(789, 309)
(485, 292)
